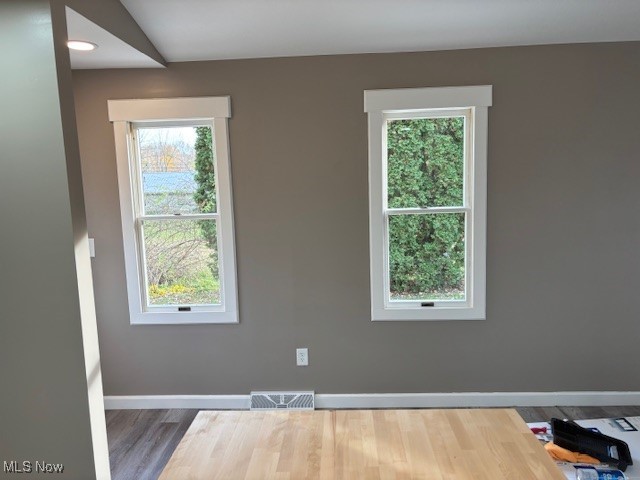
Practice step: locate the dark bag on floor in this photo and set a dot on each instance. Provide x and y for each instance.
(607, 449)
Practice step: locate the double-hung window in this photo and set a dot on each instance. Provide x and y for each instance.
(427, 202)
(175, 199)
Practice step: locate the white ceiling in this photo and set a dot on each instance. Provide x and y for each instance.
(185, 30)
(111, 52)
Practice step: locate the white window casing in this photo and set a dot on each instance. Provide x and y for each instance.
(383, 105)
(169, 112)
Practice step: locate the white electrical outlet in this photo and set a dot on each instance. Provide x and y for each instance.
(302, 357)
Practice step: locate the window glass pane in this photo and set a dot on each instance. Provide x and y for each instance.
(425, 163)
(181, 260)
(426, 257)
(176, 165)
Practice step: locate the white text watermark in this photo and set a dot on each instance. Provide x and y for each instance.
(27, 466)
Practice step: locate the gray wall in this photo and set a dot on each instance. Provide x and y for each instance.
(47, 317)
(563, 228)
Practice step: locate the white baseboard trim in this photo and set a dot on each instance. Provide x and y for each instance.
(385, 400)
(149, 402)
(476, 399)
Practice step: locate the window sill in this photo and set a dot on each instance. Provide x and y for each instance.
(183, 318)
(428, 314)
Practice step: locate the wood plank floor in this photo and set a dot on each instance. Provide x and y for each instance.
(142, 441)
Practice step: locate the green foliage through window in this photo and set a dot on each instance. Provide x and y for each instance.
(425, 168)
(205, 195)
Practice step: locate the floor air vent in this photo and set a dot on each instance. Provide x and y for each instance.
(282, 401)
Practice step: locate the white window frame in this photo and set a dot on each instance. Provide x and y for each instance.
(384, 105)
(213, 111)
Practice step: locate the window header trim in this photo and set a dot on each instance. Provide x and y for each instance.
(167, 109)
(407, 99)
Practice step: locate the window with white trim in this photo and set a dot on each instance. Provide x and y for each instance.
(427, 202)
(176, 205)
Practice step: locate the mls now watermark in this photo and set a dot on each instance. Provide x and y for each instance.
(29, 467)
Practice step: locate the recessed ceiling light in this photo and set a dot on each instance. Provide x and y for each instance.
(81, 45)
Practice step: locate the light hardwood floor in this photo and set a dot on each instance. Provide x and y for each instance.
(142, 441)
(427, 444)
